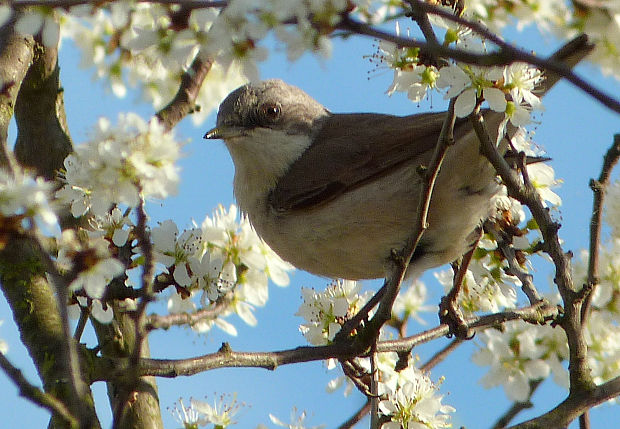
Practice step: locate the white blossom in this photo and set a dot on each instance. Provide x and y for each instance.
(120, 164)
(22, 195)
(410, 302)
(296, 422)
(188, 417)
(177, 252)
(221, 414)
(325, 312)
(603, 338)
(38, 21)
(415, 405)
(612, 208)
(93, 260)
(111, 226)
(515, 357)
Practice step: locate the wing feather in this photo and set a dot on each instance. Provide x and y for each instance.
(353, 149)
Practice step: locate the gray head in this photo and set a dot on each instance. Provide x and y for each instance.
(271, 104)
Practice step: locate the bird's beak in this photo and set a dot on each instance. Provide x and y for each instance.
(224, 132)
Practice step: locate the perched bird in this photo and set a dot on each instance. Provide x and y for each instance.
(335, 194)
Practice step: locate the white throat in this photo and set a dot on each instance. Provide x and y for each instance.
(260, 159)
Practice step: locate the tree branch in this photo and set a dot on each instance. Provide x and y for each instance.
(35, 395)
(573, 406)
(16, 55)
(155, 321)
(185, 98)
(527, 195)
(517, 407)
(111, 368)
(506, 54)
(599, 188)
(357, 417)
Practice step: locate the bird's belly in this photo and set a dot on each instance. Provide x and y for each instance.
(353, 236)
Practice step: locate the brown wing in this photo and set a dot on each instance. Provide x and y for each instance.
(352, 149)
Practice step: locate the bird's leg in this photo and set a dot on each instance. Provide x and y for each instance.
(449, 310)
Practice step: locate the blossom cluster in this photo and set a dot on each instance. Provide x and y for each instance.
(151, 45)
(509, 89)
(201, 414)
(408, 396)
(222, 261)
(120, 165)
(600, 20)
(519, 354)
(23, 196)
(325, 312)
(414, 403)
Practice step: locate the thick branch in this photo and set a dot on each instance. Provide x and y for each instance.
(573, 406)
(43, 140)
(36, 313)
(527, 194)
(134, 401)
(46, 336)
(16, 55)
(108, 369)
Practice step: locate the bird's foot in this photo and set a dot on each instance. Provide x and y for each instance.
(451, 315)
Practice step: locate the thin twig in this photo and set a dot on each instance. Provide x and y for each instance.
(400, 264)
(35, 394)
(599, 187)
(449, 311)
(517, 407)
(185, 98)
(396, 273)
(514, 267)
(155, 321)
(438, 357)
(374, 389)
(81, 325)
(357, 417)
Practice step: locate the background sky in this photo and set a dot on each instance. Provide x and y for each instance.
(575, 131)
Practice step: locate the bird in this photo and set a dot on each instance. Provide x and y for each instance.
(335, 194)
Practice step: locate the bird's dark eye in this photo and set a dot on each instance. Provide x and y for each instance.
(270, 111)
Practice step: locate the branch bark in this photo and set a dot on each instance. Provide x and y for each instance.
(16, 55)
(43, 325)
(109, 368)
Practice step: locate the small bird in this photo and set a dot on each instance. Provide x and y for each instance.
(335, 194)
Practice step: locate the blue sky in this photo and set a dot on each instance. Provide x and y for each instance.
(575, 131)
